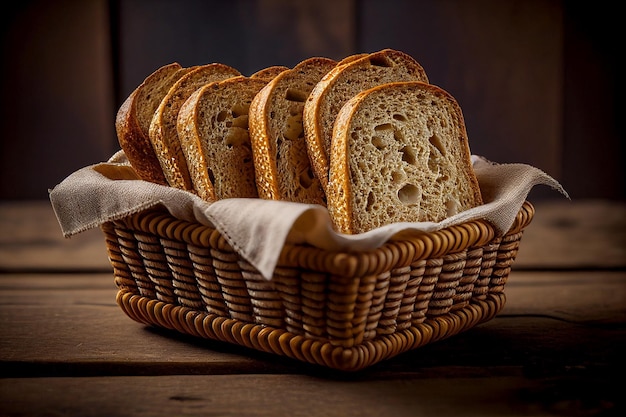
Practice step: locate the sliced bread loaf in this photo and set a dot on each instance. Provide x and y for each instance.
(282, 164)
(342, 83)
(400, 154)
(163, 134)
(132, 122)
(213, 129)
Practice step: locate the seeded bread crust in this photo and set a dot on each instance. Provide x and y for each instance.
(400, 154)
(338, 86)
(132, 122)
(163, 134)
(281, 161)
(213, 129)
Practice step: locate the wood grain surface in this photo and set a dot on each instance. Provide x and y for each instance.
(554, 350)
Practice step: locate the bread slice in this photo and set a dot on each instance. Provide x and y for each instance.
(281, 161)
(269, 73)
(163, 134)
(213, 129)
(400, 154)
(342, 83)
(132, 122)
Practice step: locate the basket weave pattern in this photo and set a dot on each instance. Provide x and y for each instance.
(336, 309)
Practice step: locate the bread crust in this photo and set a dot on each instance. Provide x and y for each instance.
(269, 73)
(281, 160)
(354, 74)
(132, 127)
(213, 129)
(163, 133)
(346, 203)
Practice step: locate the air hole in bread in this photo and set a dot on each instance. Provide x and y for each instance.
(398, 136)
(240, 121)
(409, 194)
(381, 62)
(236, 136)
(452, 207)
(306, 178)
(371, 200)
(293, 94)
(293, 128)
(408, 155)
(221, 116)
(211, 176)
(433, 164)
(378, 142)
(397, 177)
(383, 127)
(435, 140)
(240, 109)
(400, 117)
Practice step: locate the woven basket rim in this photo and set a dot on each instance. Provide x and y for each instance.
(399, 252)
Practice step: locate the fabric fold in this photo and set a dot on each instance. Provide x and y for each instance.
(258, 229)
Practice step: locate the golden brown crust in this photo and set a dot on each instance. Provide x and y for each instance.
(131, 128)
(269, 73)
(275, 109)
(189, 136)
(352, 75)
(263, 146)
(163, 132)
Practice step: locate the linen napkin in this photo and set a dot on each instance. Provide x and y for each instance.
(258, 229)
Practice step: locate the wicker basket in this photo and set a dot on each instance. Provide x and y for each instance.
(341, 310)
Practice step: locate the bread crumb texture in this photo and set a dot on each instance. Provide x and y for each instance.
(406, 159)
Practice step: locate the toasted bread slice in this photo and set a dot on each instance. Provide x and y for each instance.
(400, 154)
(163, 134)
(338, 86)
(132, 122)
(213, 129)
(282, 164)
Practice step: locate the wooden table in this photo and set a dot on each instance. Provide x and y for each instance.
(557, 348)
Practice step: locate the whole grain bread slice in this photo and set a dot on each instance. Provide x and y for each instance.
(163, 134)
(400, 154)
(132, 122)
(282, 165)
(213, 129)
(338, 86)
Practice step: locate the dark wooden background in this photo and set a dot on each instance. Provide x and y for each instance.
(537, 79)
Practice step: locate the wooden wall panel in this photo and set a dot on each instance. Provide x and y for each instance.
(247, 35)
(502, 61)
(56, 93)
(537, 79)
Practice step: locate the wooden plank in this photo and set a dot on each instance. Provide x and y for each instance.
(304, 395)
(71, 326)
(582, 234)
(564, 234)
(31, 239)
(61, 116)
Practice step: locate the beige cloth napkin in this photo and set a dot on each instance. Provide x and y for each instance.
(258, 229)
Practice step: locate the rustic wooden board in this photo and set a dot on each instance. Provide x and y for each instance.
(31, 239)
(564, 234)
(304, 395)
(66, 325)
(576, 234)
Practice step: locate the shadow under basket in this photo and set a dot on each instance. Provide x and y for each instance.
(341, 310)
